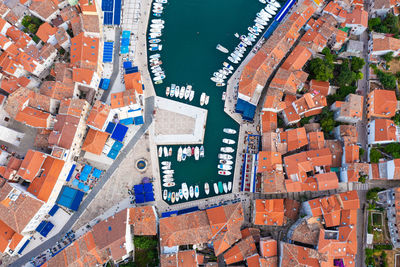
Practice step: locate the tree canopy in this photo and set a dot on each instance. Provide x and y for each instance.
(374, 155)
(388, 80)
(320, 69)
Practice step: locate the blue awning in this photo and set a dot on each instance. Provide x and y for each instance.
(71, 171)
(110, 127)
(53, 210)
(96, 173)
(119, 132)
(148, 187)
(23, 246)
(138, 120)
(127, 121)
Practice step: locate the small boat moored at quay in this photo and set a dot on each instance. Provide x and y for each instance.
(222, 49)
(220, 84)
(229, 186)
(182, 92)
(180, 194)
(165, 151)
(202, 152)
(224, 173)
(191, 191)
(185, 191)
(154, 41)
(220, 187)
(184, 154)
(196, 153)
(170, 184)
(206, 188)
(165, 163)
(202, 98)
(165, 194)
(170, 152)
(224, 161)
(168, 171)
(169, 196)
(191, 95)
(225, 187)
(225, 156)
(187, 91)
(173, 197)
(229, 131)
(160, 152)
(224, 167)
(207, 100)
(196, 191)
(228, 141)
(179, 157)
(167, 91)
(227, 149)
(226, 65)
(216, 188)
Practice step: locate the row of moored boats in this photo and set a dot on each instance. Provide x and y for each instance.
(155, 32)
(187, 152)
(225, 159)
(194, 191)
(245, 41)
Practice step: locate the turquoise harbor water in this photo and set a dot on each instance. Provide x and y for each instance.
(192, 31)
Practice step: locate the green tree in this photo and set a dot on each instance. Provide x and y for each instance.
(327, 122)
(391, 22)
(144, 242)
(361, 152)
(374, 155)
(373, 23)
(345, 76)
(387, 80)
(26, 21)
(372, 194)
(388, 57)
(396, 118)
(357, 64)
(320, 70)
(393, 149)
(33, 28)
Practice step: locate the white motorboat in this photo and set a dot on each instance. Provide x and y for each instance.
(225, 156)
(202, 98)
(250, 29)
(165, 151)
(216, 188)
(270, 10)
(227, 149)
(189, 151)
(168, 171)
(220, 84)
(173, 197)
(162, 1)
(172, 92)
(182, 92)
(265, 14)
(202, 151)
(222, 49)
(187, 91)
(275, 3)
(233, 60)
(159, 81)
(165, 194)
(229, 186)
(167, 176)
(185, 191)
(170, 184)
(156, 48)
(206, 188)
(164, 163)
(196, 153)
(228, 70)
(176, 196)
(157, 14)
(179, 157)
(219, 75)
(228, 141)
(225, 161)
(237, 53)
(229, 131)
(155, 30)
(207, 100)
(177, 88)
(223, 96)
(157, 26)
(216, 80)
(191, 95)
(154, 35)
(167, 91)
(180, 194)
(261, 21)
(226, 173)
(191, 191)
(184, 153)
(155, 56)
(168, 180)
(224, 72)
(226, 65)
(224, 167)
(160, 152)
(154, 41)
(225, 187)
(271, 6)
(196, 191)
(156, 70)
(159, 76)
(259, 26)
(166, 167)
(170, 152)
(159, 21)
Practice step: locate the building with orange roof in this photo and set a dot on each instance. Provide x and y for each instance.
(86, 77)
(43, 184)
(133, 81)
(268, 247)
(351, 153)
(316, 140)
(95, 141)
(353, 172)
(98, 115)
(297, 59)
(108, 240)
(269, 121)
(381, 104)
(269, 212)
(295, 138)
(35, 118)
(320, 87)
(123, 99)
(383, 131)
(357, 20)
(73, 106)
(290, 116)
(272, 182)
(184, 258)
(85, 52)
(386, 170)
(309, 103)
(382, 44)
(88, 7)
(269, 161)
(46, 32)
(295, 255)
(57, 90)
(44, 9)
(10, 66)
(239, 252)
(327, 181)
(349, 111)
(144, 220)
(273, 103)
(382, 7)
(9, 171)
(346, 133)
(31, 165)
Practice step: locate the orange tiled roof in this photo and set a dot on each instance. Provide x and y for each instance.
(45, 8)
(133, 81)
(294, 255)
(296, 60)
(244, 248)
(316, 140)
(268, 247)
(31, 164)
(84, 51)
(381, 103)
(352, 152)
(358, 16)
(269, 121)
(64, 131)
(319, 86)
(295, 138)
(123, 99)
(6, 233)
(98, 115)
(57, 90)
(269, 212)
(95, 141)
(327, 181)
(144, 220)
(385, 130)
(87, 6)
(73, 107)
(42, 186)
(33, 117)
(267, 160)
(45, 31)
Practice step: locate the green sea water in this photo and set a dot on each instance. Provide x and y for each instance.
(193, 28)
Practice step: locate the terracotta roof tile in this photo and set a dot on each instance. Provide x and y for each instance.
(57, 90)
(64, 131)
(327, 181)
(268, 161)
(84, 51)
(244, 248)
(295, 138)
(74, 107)
(45, 31)
(294, 255)
(95, 141)
(316, 140)
(45, 8)
(381, 103)
(144, 220)
(98, 115)
(33, 117)
(269, 212)
(31, 164)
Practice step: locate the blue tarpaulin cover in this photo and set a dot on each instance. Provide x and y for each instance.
(127, 64)
(127, 121)
(138, 189)
(148, 197)
(70, 198)
(110, 127)
(107, 5)
(119, 132)
(139, 198)
(96, 173)
(148, 187)
(138, 120)
(71, 171)
(117, 12)
(53, 210)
